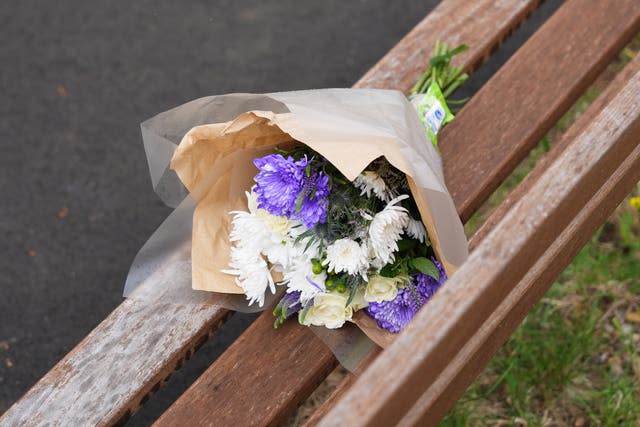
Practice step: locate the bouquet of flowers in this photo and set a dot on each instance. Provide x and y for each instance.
(327, 204)
(338, 246)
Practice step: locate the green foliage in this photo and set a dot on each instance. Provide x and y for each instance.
(448, 77)
(424, 266)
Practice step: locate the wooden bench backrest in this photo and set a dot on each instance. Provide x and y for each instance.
(110, 372)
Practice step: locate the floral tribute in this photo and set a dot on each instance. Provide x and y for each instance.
(339, 246)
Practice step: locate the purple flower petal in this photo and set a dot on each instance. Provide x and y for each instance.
(396, 314)
(280, 182)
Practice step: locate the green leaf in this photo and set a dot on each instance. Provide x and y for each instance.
(303, 313)
(406, 244)
(458, 49)
(423, 250)
(280, 313)
(280, 151)
(299, 201)
(389, 271)
(425, 266)
(352, 295)
(445, 57)
(304, 235)
(309, 243)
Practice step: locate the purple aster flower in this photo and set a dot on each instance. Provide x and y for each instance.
(281, 182)
(315, 203)
(394, 315)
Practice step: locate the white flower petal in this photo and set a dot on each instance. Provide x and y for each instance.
(416, 230)
(371, 183)
(386, 228)
(301, 278)
(346, 255)
(252, 272)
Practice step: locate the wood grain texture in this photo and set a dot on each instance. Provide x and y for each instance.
(208, 395)
(122, 361)
(214, 400)
(529, 94)
(478, 351)
(56, 398)
(585, 180)
(545, 160)
(482, 25)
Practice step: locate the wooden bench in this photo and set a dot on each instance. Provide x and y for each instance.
(518, 252)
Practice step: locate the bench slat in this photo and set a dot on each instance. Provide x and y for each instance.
(125, 358)
(482, 25)
(579, 189)
(590, 54)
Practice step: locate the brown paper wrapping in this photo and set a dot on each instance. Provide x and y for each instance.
(350, 128)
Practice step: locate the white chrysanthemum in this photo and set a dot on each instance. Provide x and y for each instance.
(252, 272)
(247, 230)
(371, 183)
(375, 262)
(385, 229)
(346, 255)
(416, 230)
(267, 233)
(258, 234)
(300, 277)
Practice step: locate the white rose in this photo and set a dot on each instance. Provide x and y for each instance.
(328, 310)
(381, 289)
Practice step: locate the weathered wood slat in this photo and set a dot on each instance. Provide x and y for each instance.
(594, 52)
(543, 163)
(577, 191)
(124, 359)
(118, 365)
(263, 388)
(486, 23)
(482, 25)
(545, 77)
(470, 361)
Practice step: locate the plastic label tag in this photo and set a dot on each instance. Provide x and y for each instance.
(434, 112)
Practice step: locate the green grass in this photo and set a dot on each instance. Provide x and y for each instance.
(576, 355)
(575, 360)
